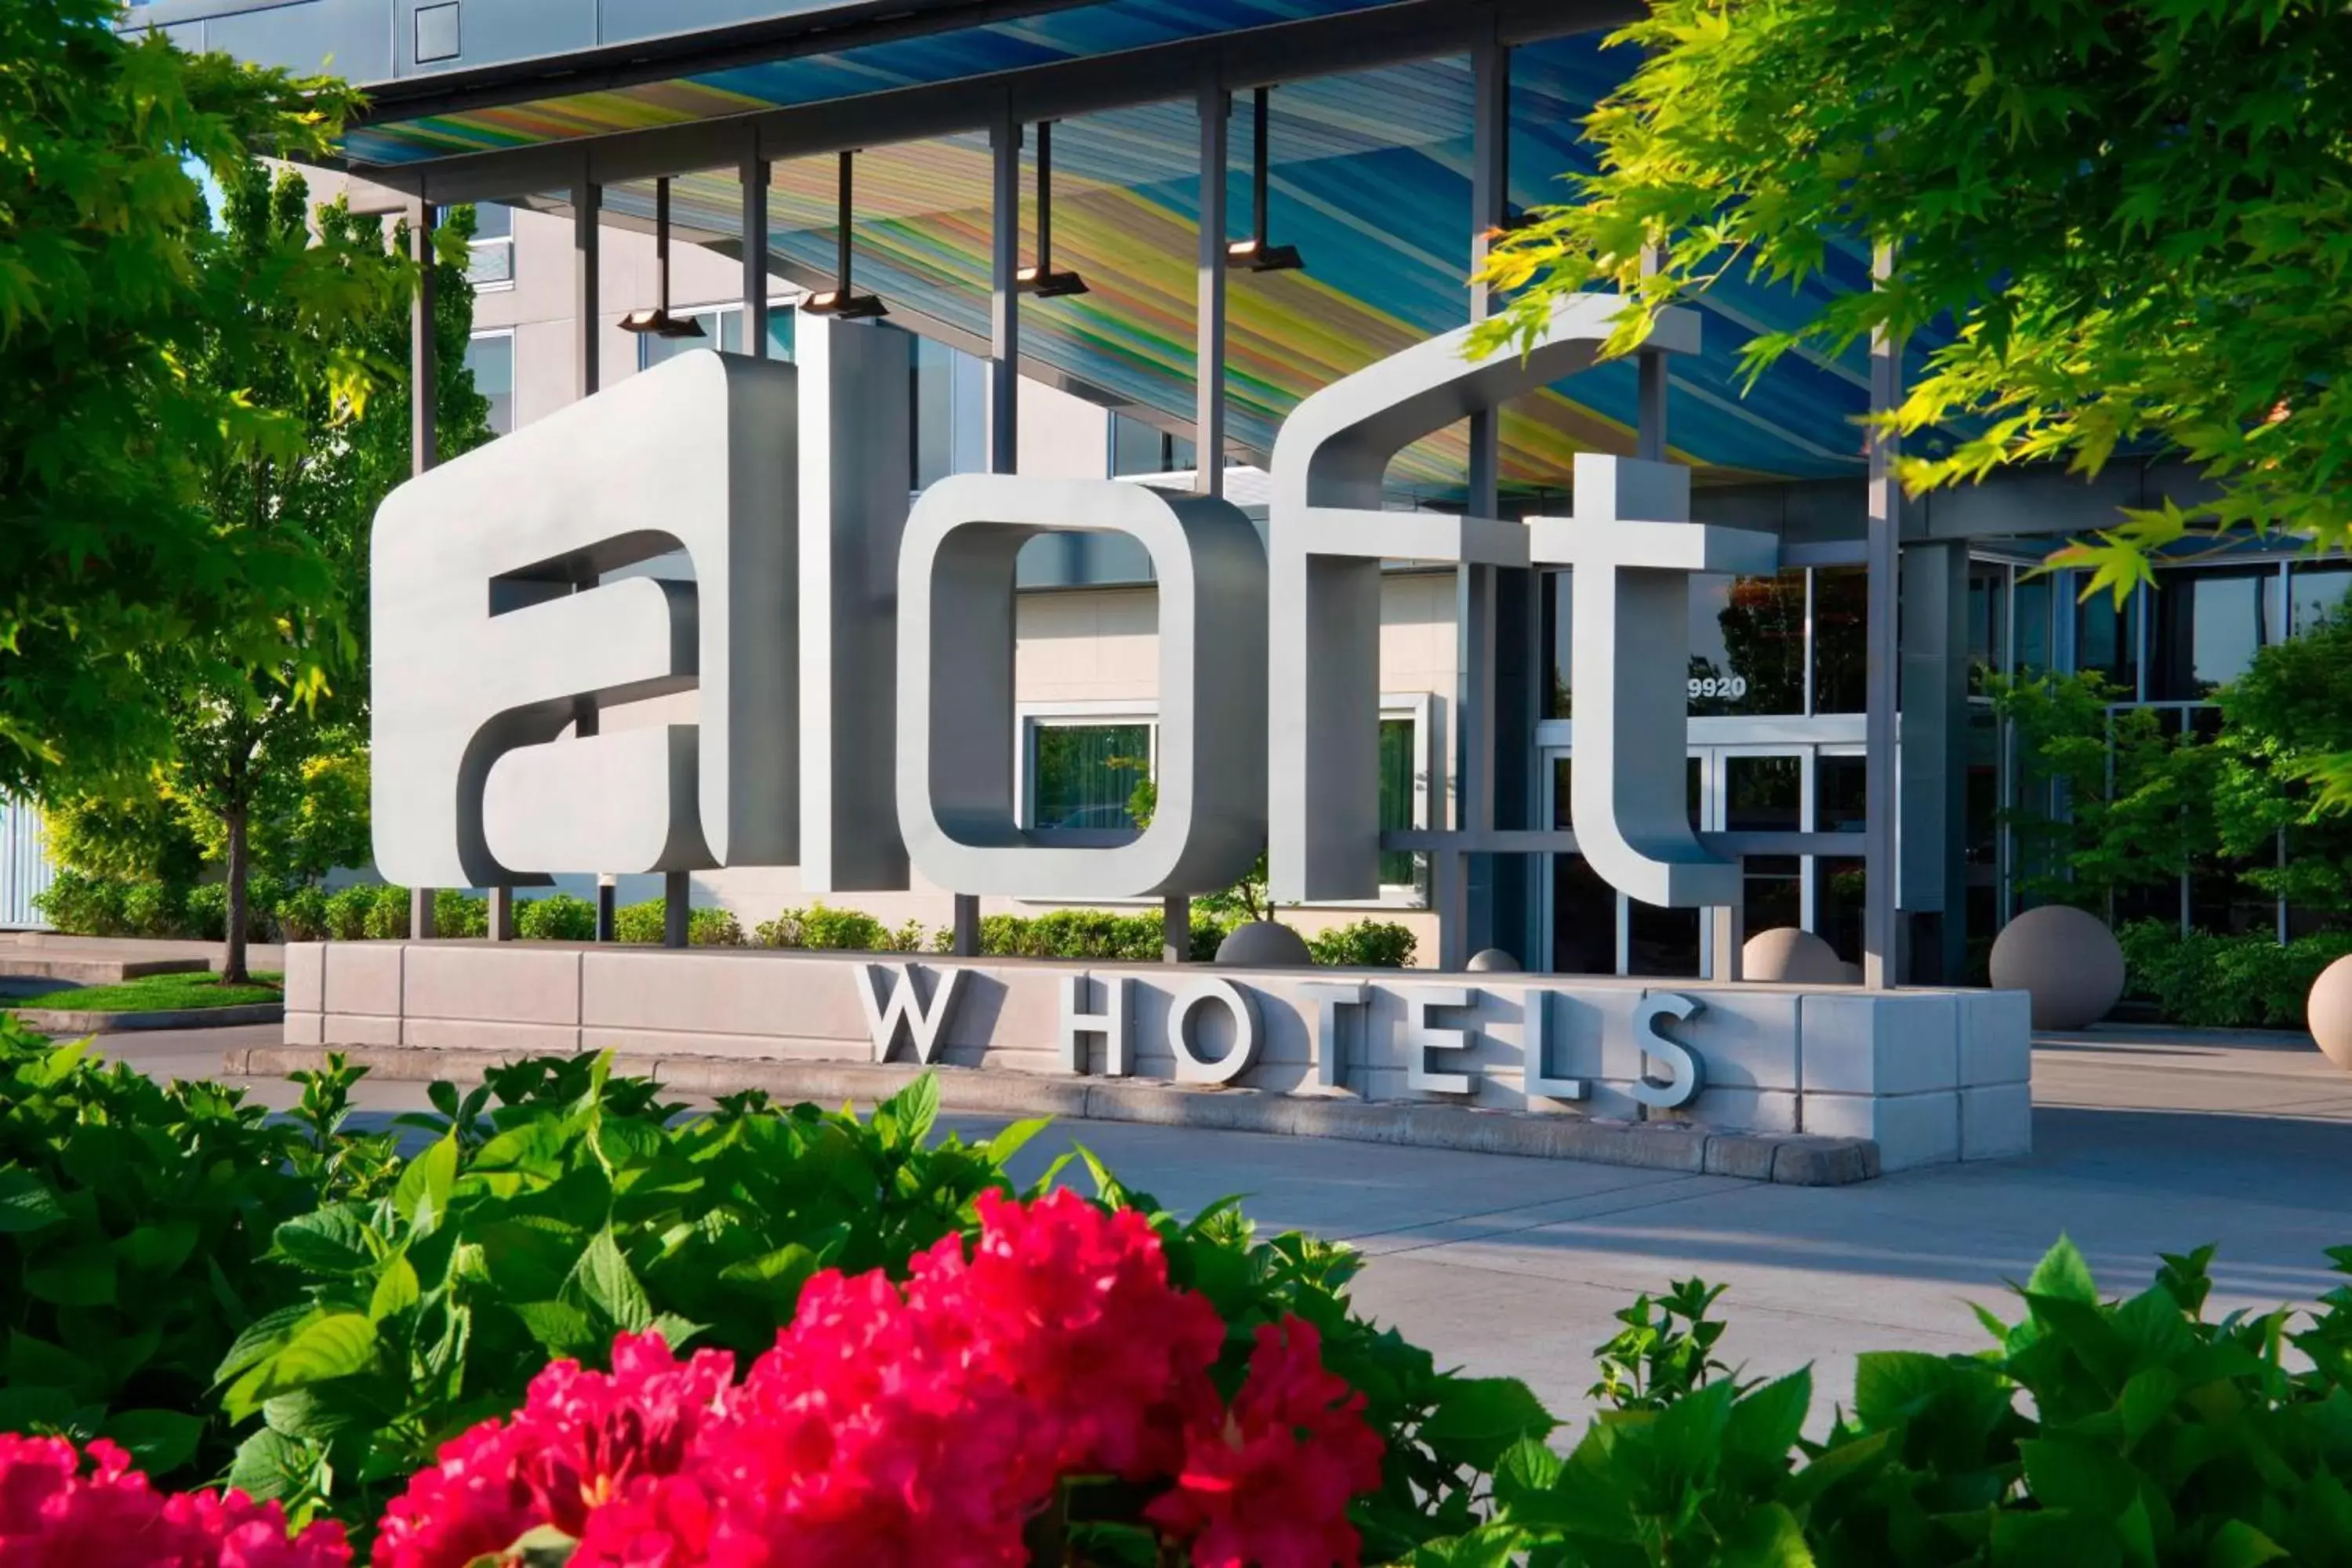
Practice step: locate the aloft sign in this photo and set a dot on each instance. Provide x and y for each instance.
(852, 658)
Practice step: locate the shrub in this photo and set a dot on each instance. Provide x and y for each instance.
(459, 914)
(134, 1217)
(80, 904)
(558, 917)
(2211, 982)
(826, 929)
(714, 928)
(302, 914)
(386, 912)
(643, 922)
(153, 909)
(639, 922)
(1364, 945)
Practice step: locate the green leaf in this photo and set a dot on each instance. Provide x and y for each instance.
(1010, 1140)
(786, 1268)
(2078, 1476)
(1765, 1425)
(1527, 1466)
(395, 1291)
(332, 1241)
(604, 1279)
(2062, 1274)
(326, 1349)
(1478, 1418)
(912, 1109)
(158, 1248)
(81, 1278)
(425, 1186)
(27, 1203)
(270, 1465)
(161, 1441)
(563, 1328)
(2238, 1545)
(1769, 1536)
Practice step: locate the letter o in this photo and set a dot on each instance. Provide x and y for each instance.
(1190, 1067)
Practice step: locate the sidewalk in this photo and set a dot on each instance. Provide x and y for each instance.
(259, 956)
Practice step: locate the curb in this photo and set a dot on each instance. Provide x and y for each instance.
(59, 1021)
(1790, 1158)
(16, 969)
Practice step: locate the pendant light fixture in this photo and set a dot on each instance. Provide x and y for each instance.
(1255, 252)
(841, 299)
(658, 320)
(1041, 280)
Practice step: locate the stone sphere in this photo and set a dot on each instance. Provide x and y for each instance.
(1263, 944)
(2067, 959)
(2329, 1012)
(1792, 956)
(1492, 961)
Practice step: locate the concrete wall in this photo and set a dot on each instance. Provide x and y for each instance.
(1932, 1075)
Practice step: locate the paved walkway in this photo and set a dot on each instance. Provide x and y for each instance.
(2145, 1141)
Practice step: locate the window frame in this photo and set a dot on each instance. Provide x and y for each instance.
(483, 335)
(719, 313)
(490, 244)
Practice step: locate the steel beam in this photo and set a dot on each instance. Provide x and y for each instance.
(1884, 530)
(1359, 40)
(587, 310)
(755, 252)
(1215, 107)
(423, 434)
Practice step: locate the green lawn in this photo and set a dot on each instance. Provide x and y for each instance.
(155, 993)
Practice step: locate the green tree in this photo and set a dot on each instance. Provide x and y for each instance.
(2286, 738)
(262, 758)
(2106, 800)
(105, 304)
(2136, 215)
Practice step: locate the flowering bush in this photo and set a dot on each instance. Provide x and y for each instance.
(1050, 1383)
(54, 1513)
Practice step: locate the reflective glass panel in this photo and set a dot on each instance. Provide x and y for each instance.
(2208, 625)
(1748, 644)
(1083, 775)
(1840, 622)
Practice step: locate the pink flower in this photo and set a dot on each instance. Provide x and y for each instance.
(53, 1516)
(1267, 1483)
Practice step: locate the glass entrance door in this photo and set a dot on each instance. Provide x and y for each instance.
(1594, 929)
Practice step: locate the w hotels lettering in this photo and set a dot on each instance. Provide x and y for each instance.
(852, 658)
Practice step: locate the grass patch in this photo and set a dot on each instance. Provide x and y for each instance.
(155, 993)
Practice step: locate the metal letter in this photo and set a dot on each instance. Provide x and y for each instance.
(1421, 1037)
(956, 730)
(901, 1016)
(1633, 550)
(1328, 997)
(1535, 1069)
(481, 643)
(1190, 1067)
(1329, 534)
(1686, 1073)
(1111, 1024)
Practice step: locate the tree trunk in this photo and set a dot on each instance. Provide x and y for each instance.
(233, 960)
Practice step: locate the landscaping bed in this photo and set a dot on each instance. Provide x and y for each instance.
(153, 1002)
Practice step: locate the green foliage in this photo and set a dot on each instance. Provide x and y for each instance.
(457, 914)
(133, 1222)
(573, 1207)
(1666, 1350)
(2131, 213)
(108, 299)
(2095, 1432)
(156, 993)
(123, 837)
(558, 917)
(2287, 752)
(643, 923)
(386, 912)
(1364, 945)
(2108, 801)
(2211, 982)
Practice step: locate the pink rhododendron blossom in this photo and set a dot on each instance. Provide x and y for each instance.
(53, 1514)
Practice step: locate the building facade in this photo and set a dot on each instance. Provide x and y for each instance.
(1145, 145)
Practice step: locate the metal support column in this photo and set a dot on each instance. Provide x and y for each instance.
(588, 326)
(755, 253)
(424, 435)
(678, 907)
(501, 914)
(1885, 522)
(1209, 320)
(1932, 765)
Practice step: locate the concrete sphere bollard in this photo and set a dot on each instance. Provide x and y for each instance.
(1263, 944)
(1790, 956)
(2329, 1012)
(2067, 959)
(1492, 961)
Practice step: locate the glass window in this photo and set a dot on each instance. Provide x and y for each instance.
(950, 413)
(1136, 447)
(1766, 794)
(2033, 609)
(1084, 775)
(2318, 592)
(1557, 625)
(490, 358)
(1748, 644)
(653, 349)
(1840, 639)
(2106, 640)
(2208, 627)
(1988, 621)
(1400, 773)
(491, 260)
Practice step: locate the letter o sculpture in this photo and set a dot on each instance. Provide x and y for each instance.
(1191, 1066)
(2329, 1012)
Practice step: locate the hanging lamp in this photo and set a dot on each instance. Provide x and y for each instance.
(1256, 253)
(841, 299)
(1040, 278)
(658, 320)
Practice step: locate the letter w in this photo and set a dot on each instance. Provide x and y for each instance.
(886, 1021)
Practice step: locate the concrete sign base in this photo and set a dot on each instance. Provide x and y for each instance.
(1930, 1076)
